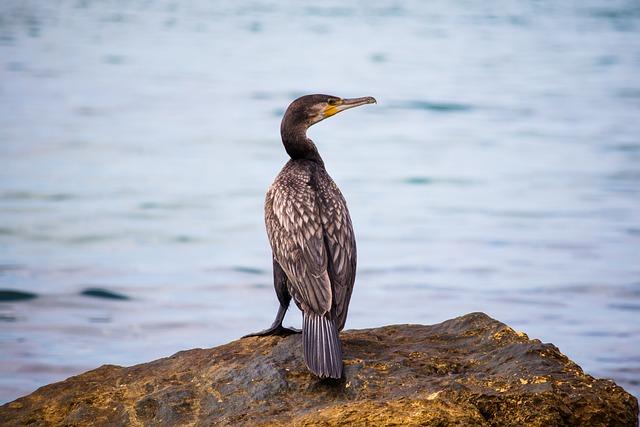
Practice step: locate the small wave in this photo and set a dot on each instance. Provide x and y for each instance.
(103, 293)
(166, 206)
(625, 307)
(633, 231)
(278, 112)
(249, 270)
(425, 180)
(90, 238)
(378, 58)
(628, 148)
(26, 195)
(601, 333)
(13, 295)
(114, 59)
(261, 95)
(440, 107)
(10, 267)
(330, 12)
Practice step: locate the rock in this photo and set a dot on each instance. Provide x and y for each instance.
(471, 370)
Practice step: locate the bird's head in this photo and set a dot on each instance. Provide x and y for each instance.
(310, 109)
(307, 111)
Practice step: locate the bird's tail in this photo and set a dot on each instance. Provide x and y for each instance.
(322, 349)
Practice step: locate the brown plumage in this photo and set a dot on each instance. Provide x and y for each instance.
(311, 236)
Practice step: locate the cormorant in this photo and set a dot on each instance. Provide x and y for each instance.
(310, 232)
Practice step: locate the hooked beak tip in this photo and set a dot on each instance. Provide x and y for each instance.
(354, 102)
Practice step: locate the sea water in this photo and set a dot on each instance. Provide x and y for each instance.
(499, 171)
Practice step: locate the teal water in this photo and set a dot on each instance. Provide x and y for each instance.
(499, 172)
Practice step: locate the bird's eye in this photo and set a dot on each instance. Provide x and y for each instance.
(332, 101)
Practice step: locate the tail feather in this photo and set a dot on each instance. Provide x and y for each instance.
(321, 346)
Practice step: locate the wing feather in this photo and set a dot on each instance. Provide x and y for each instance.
(341, 245)
(295, 231)
(312, 238)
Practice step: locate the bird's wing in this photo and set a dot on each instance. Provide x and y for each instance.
(341, 246)
(295, 231)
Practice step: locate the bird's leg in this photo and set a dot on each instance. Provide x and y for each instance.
(280, 284)
(276, 328)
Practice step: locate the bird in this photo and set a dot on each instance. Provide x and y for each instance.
(311, 237)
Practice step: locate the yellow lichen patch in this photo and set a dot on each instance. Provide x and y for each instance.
(397, 412)
(442, 367)
(433, 396)
(502, 333)
(383, 367)
(217, 394)
(416, 355)
(498, 386)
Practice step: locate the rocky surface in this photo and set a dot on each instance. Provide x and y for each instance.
(471, 370)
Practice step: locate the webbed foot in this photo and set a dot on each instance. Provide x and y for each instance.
(277, 330)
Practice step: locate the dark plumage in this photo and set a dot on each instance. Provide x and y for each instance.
(311, 236)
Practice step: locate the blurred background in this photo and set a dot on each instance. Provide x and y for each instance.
(499, 172)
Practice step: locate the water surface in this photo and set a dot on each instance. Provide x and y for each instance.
(499, 172)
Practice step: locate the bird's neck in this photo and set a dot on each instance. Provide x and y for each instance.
(297, 144)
